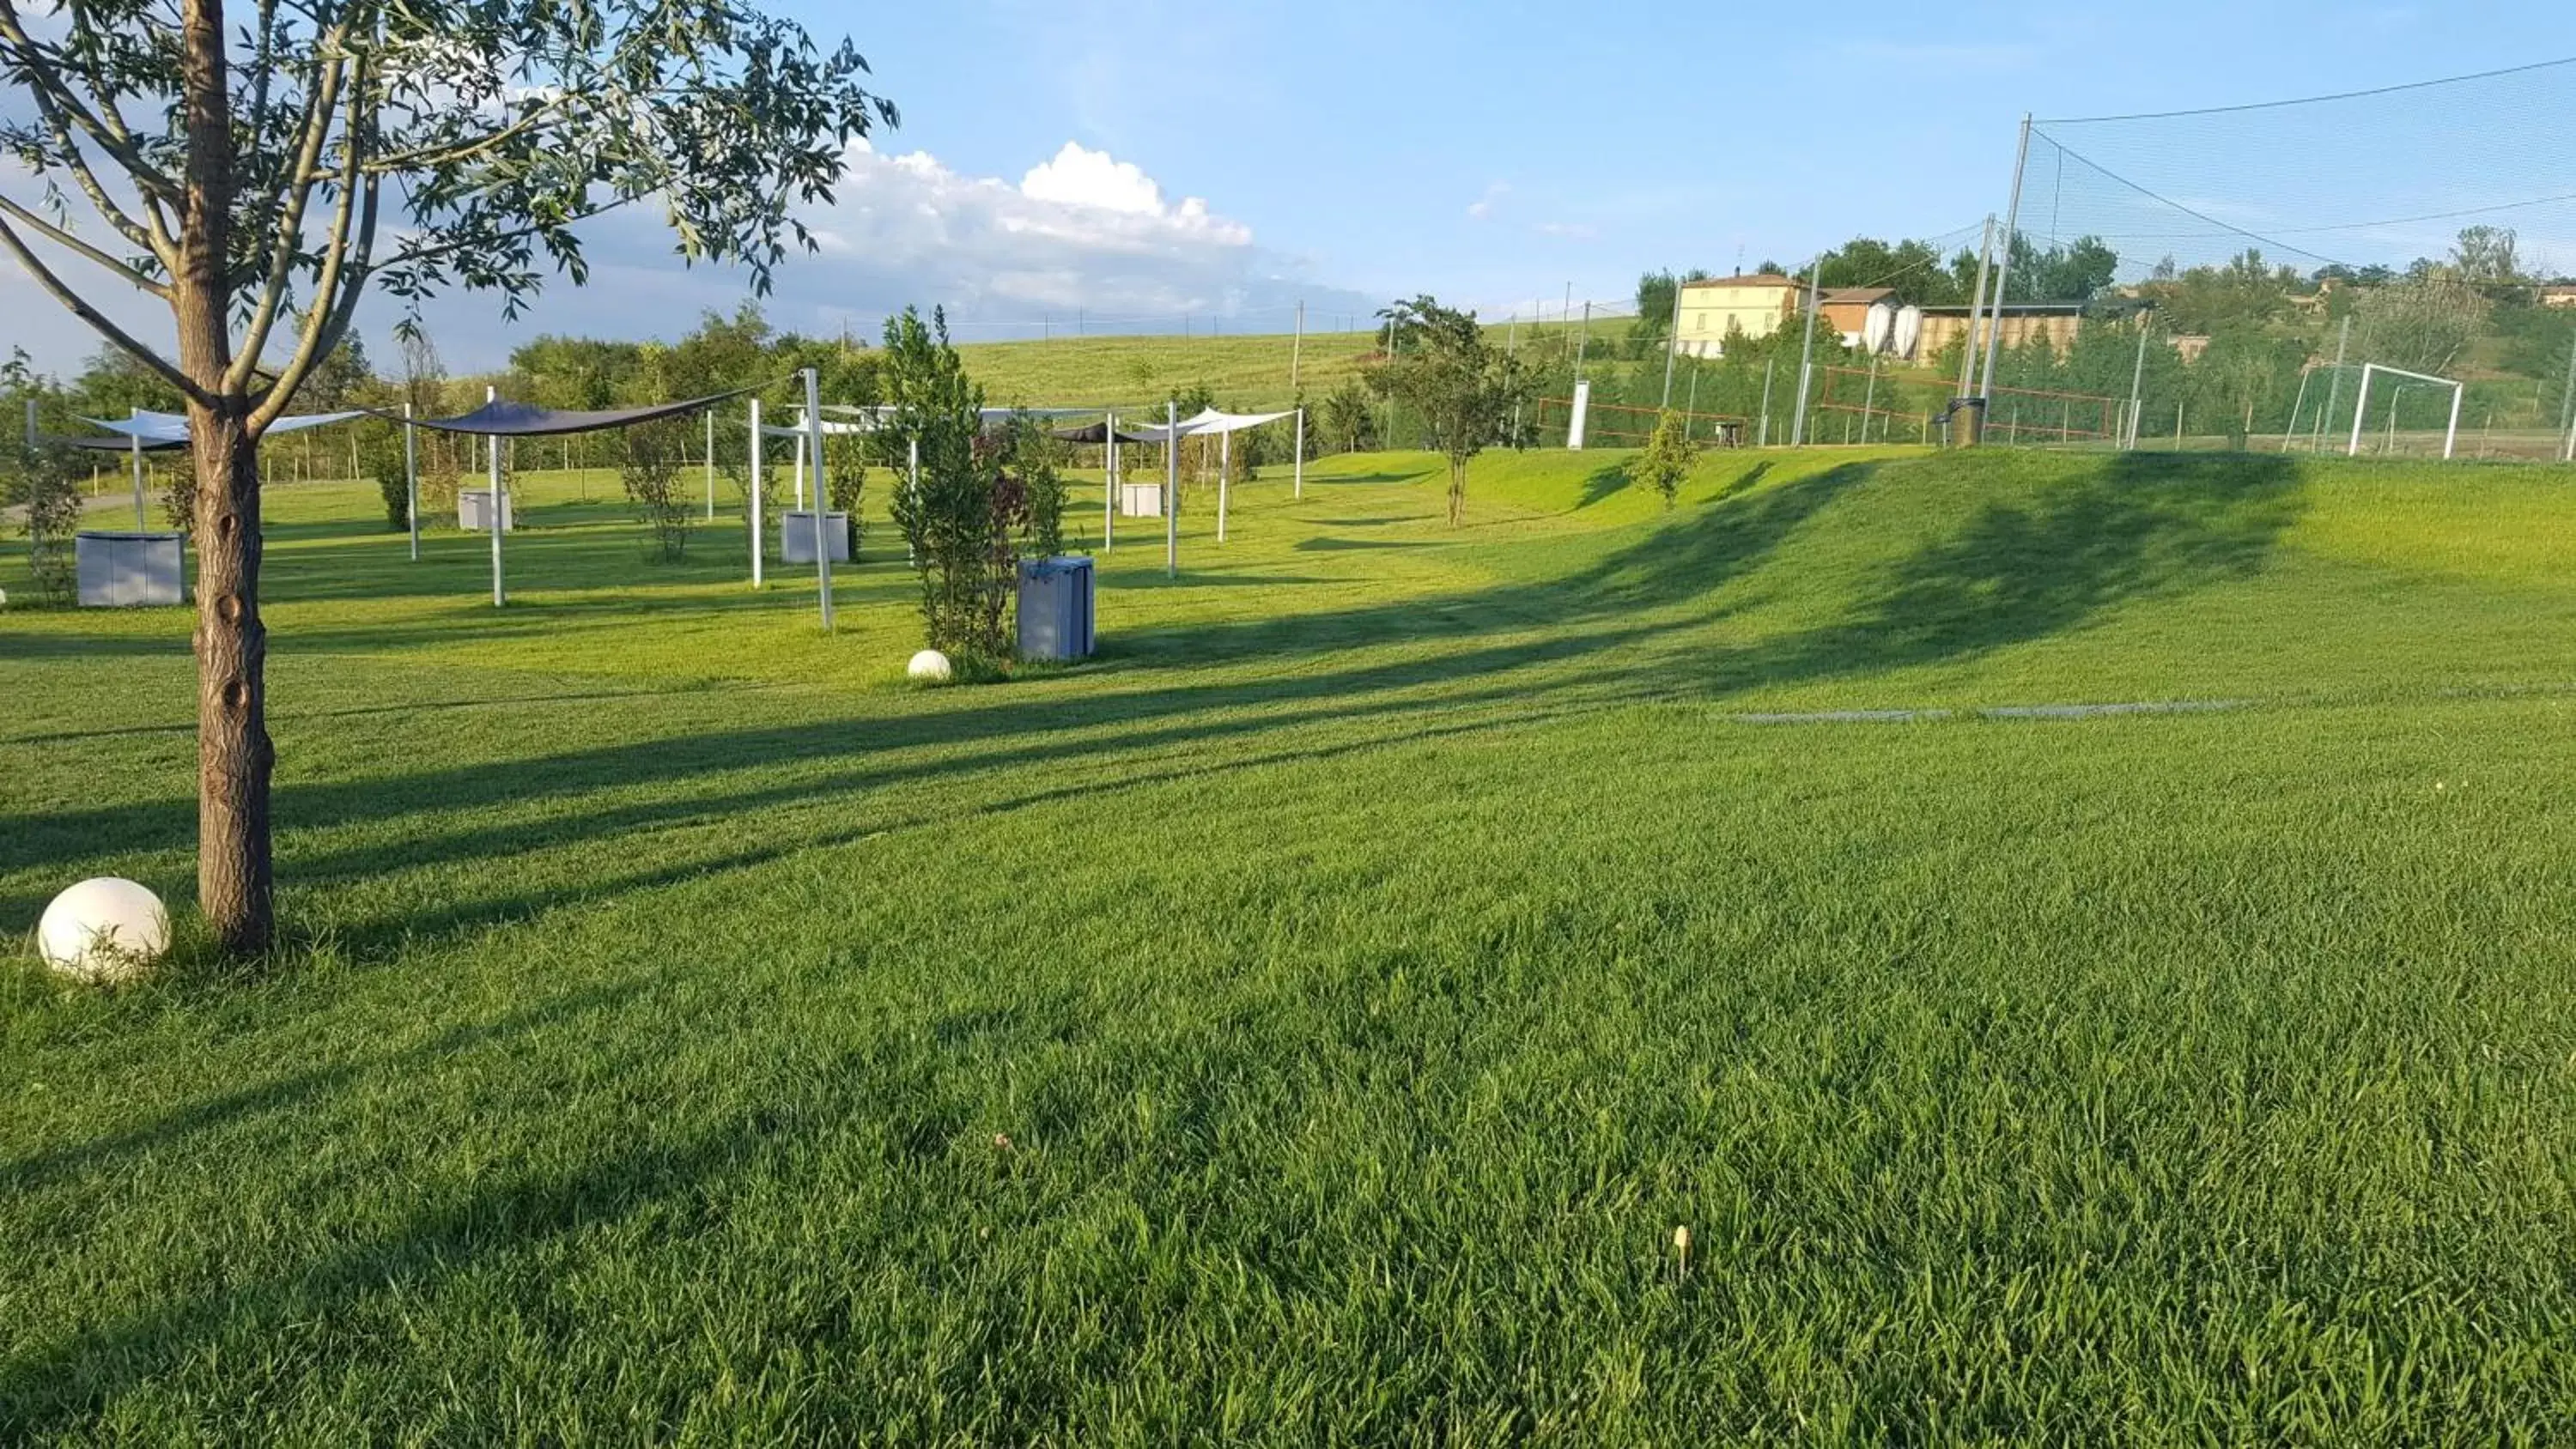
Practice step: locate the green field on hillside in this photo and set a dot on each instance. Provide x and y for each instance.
(1244, 372)
(1310, 1020)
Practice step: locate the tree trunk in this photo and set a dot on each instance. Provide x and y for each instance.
(233, 751)
(234, 756)
(1457, 491)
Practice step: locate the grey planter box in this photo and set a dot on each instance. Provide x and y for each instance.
(474, 511)
(1056, 616)
(796, 536)
(127, 570)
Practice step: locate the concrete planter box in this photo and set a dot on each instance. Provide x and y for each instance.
(1056, 608)
(128, 570)
(796, 536)
(474, 511)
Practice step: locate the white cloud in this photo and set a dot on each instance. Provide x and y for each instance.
(1568, 230)
(1483, 206)
(1078, 177)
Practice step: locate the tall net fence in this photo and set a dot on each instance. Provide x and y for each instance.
(2267, 254)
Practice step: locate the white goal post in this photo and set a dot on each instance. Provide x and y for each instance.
(2361, 405)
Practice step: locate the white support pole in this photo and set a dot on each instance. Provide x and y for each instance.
(1301, 453)
(1672, 342)
(1172, 485)
(2360, 405)
(1763, 439)
(142, 520)
(2566, 406)
(911, 480)
(2292, 431)
(2451, 435)
(2137, 381)
(1976, 303)
(759, 475)
(822, 542)
(1109, 484)
(1807, 352)
(1297, 347)
(711, 465)
(492, 453)
(1869, 398)
(2334, 384)
(1224, 478)
(411, 480)
(2003, 263)
(800, 472)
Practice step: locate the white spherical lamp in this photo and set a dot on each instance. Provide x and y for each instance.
(929, 667)
(107, 929)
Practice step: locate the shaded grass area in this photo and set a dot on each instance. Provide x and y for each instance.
(1310, 1020)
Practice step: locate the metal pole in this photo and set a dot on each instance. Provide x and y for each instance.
(1690, 410)
(711, 465)
(759, 475)
(2567, 406)
(1869, 398)
(1673, 342)
(1389, 442)
(2360, 405)
(492, 454)
(2451, 435)
(142, 519)
(411, 479)
(1172, 484)
(1109, 486)
(2003, 263)
(2138, 378)
(1224, 477)
(1807, 355)
(1297, 347)
(1763, 439)
(1301, 453)
(822, 546)
(1583, 341)
(2292, 430)
(2334, 386)
(1976, 303)
(800, 472)
(1512, 348)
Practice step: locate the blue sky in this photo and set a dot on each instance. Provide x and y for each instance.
(1116, 164)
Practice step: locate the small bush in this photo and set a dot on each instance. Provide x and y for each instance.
(651, 476)
(49, 490)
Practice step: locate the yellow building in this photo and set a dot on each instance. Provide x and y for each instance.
(1751, 305)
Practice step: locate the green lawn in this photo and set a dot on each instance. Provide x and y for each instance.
(1310, 1021)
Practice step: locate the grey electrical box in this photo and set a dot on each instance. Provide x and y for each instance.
(796, 536)
(1056, 608)
(126, 570)
(474, 511)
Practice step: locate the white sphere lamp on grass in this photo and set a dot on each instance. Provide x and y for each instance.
(929, 667)
(107, 929)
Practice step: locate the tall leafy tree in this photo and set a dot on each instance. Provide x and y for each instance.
(1462, 388)
(262, 168)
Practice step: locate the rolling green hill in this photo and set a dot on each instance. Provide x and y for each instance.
(2080, 942)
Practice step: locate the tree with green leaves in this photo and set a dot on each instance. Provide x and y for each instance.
(1462, 388)
(1667, 457)
(949, 518)
(262, 168)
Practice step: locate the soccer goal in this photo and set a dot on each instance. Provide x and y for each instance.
(2361, 408)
